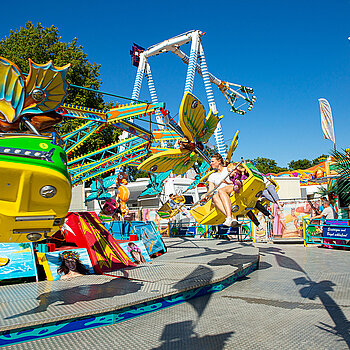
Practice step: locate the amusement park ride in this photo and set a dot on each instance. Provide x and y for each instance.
(234, 93)
(38, 166)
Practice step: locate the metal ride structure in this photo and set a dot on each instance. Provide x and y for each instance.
(35, 104)
(135, 147)
(195, 129)
(36, 176)
(234, 93)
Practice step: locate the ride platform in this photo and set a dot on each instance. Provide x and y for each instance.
(191, 268)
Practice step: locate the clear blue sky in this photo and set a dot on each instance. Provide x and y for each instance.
(290, 52)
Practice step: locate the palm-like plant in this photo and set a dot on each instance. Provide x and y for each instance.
(330, 191)
(342, 167)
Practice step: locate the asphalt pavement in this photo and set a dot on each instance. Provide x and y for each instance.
(298, 299)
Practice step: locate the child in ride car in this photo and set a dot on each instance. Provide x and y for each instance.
(236, 178)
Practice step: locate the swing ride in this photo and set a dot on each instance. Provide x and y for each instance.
(234, 93)
(38, 166)
(242, 202)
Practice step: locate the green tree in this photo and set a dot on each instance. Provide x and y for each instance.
(319, 159)
(41, 45)
(266, 165)
(299, 164)
(134, 173)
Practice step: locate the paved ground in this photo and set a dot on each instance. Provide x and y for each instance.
(187, 264)
(299, 299)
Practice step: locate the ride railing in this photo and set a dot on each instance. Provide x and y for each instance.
(182, 230)
(326, 232)
(243, 232)
(266, 233)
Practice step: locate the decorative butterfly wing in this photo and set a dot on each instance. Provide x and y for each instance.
(162, 176)
(233, 146)
(210, 125)
(155, 185)
(98, 191)
(177, 160)
(109, 181)
(199, 177)
(149, 191)
(12, 92)
(46, 87)
(203, 169)
(191, 116)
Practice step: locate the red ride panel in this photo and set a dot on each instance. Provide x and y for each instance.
(86, 231)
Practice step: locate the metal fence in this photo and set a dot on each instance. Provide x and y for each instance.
(329, 233)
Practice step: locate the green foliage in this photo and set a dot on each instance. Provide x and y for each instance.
(299, 164)
(306, 163)
(136, 174)
(319, 159)
(266, 165)
(41, 45)
(342, 166)
(24, 245)
(329, 192)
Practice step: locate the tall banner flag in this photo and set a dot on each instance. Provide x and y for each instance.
(326, 120)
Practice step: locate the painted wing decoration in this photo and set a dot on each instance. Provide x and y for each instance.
(12, 91)
(178, 160)
(110, 181)
(156, 184)
(233, 146)
(39, 95)
(210, 125)
(46, 87)
(201, 173)
(191, 116)
(99, 188)
(98, 191)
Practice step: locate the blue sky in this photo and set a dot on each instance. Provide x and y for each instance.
(290, 52)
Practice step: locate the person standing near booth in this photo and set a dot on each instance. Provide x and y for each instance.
(328, 213)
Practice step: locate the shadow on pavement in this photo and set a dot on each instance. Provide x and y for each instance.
(205, 275)
(83, 293)
(311, 291)
(181, 335)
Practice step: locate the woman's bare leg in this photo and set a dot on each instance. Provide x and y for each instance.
(224, 194)
(218, 203)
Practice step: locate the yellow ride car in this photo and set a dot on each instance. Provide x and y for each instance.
(35, 187)
(242, 202)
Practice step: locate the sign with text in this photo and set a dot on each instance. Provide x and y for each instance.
(336, 232)
(337, 222)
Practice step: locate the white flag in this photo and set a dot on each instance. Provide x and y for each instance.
(326, 120)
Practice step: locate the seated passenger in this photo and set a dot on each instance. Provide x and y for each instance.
(237, 176)
(216, 180)
(233, 184)
(111, 208)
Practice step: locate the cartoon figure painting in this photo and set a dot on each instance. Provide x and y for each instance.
(61, 265)
(287, 222)
(71, 265)
(136, 251)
